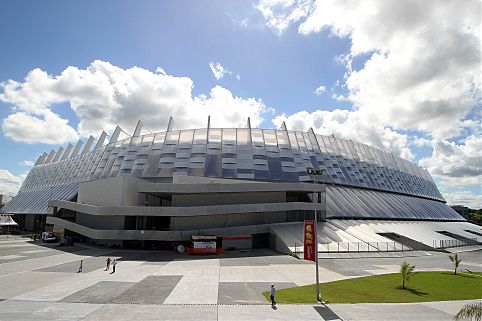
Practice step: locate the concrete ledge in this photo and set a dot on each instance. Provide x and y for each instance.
(193, 188)
(182, 211)
(155, 235)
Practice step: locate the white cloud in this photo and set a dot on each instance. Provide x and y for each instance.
(348, 125)
(420, 71)
(219, 71)
(161, 71)
(9, 183)
(46, 128)
(103, 96)
(244, 23)
(466, 198)
(27, 163)
(320, 89)
(456, 165)
(421, 142)
(279, 14)
(423, 66)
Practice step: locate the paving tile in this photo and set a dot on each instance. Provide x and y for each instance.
(247, 292)
(392, 312)
(129, 312)
(90, 264)
(150, 290)
(101, 292)
(48, 311)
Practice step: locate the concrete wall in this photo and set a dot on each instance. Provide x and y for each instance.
(115, 191)
(228, 198)
(216, 221)
(111, 222)
(29, 222)
(204, 180)
(239, 244)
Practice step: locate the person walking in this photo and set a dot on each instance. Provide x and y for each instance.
(81, 266)
(272, 294)
(108, 264)
(113, 266)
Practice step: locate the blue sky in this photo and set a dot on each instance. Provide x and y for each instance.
(280, 57)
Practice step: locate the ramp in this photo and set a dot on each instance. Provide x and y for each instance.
(374, 236)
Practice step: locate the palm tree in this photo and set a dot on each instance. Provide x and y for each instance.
(455, 260)
(472, 311)
(406, 270)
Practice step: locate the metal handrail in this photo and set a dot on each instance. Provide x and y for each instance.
(340, 247)
(344, 247)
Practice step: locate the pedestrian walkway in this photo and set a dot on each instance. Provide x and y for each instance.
(44, 284)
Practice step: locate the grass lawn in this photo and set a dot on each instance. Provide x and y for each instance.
(422, 287)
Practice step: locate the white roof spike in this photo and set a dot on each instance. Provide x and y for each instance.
(41, 159)
(88, 145)
(58, 154)
(77, 149)
(115, 135)
(170, 125)
(50, 156)
(101, 140)
(283, 126)
(67, 151)
(137, 131)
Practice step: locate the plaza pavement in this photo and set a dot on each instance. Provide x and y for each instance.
(39, 282)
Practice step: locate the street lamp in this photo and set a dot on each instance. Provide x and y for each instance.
(315, 173)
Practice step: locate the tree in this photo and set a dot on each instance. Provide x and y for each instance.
(472, 311)
(456, 261)
(406, 270)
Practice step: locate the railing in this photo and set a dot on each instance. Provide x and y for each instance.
(443, 244)
(336, 247)
(344, 247)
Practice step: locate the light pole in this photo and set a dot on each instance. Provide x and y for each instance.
(316, 173)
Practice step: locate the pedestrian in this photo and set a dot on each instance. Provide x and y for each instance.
(108, 264)
(113, 266)
(81, 266)
(35, 237)
(272, 294)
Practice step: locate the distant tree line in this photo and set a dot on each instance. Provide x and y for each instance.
(475, 216)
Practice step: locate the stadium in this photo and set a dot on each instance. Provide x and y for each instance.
(248, 187)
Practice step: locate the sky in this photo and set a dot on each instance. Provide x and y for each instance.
(404, 76)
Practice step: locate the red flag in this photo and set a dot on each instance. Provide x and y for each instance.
(309, 240)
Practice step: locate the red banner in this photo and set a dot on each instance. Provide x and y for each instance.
(309, 240)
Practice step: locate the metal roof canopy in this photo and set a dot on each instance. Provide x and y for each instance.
(7, 220)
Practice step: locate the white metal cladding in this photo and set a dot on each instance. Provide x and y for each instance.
(35, 201)
(361, 203)
(242, 153)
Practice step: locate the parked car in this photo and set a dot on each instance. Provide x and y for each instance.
(48, 237)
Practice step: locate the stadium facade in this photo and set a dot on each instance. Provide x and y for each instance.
(248, 185)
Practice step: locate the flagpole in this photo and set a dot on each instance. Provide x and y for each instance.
(318, 294)
(315, 173)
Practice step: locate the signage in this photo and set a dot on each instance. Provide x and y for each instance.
(208, 247)
(309, 231)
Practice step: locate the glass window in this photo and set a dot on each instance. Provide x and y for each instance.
(270, 137)
(229, 136)
(243, 139)
(186, 138)
(172, 138)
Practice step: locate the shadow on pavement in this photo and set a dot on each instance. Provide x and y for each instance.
(326, 313)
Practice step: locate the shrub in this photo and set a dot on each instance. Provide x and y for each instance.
(471, 311)
(406, 270)
(456, 261)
